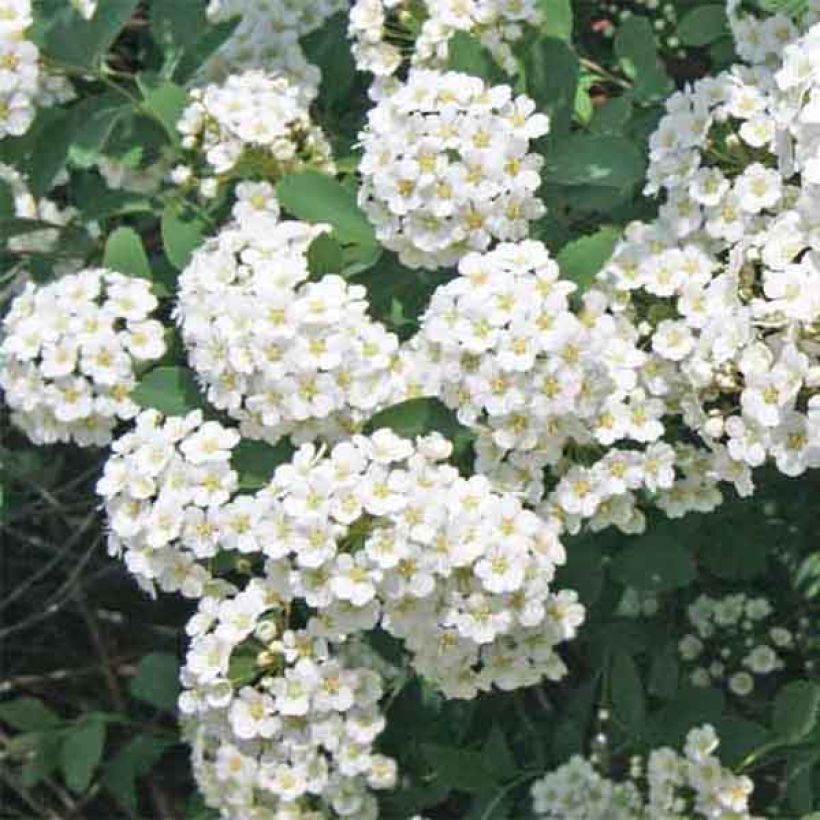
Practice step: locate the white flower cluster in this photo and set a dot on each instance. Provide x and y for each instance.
(69, 354)
(24, 85)
(376, 533)
(733, 641)
(166, 486)
(542, 383)
(279, 727)
(267, 37)
(254, 123)
(379, 29)
(678, 787)
(730, 272)
(446, 167)
(281, 353)
(761, 39)
(27, 207)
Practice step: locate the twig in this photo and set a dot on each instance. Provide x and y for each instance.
(50, 564)
(58, 600)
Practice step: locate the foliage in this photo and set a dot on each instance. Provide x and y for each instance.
(90, 676)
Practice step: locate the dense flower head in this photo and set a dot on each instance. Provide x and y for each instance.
(446, 167)
(678, 787)
(70, 350)
(497, 24)
(164, 487)
(24, 85)
(277, 720)
(256, 123)
(267, 37)
(548, 383)
(376, 532)
(280, 352)
(728, 275)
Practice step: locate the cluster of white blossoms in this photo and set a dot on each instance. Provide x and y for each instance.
(375, 532)
(380, 30)
(677, 787)
(729, 274)
(165, 486)
(281, 353)
(733, 641)
(69, 354)
(267, 37)
(253, 124)
(280, 725)
(446, 168)
(24, 85)
(545, 385)
(760, 40)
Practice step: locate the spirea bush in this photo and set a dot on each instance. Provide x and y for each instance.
(454, 368)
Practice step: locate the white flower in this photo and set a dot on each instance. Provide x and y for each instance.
(445, 167)
(69, 354)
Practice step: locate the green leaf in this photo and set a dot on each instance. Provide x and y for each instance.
(135, 759)
(415, 417)
(583, 570)
(51, 151)
(316, 197)
(581, 259)
(81, 752)
(664, 672)
(171, 390)
(28, 715)
(7, 208)
(638, 55)
(612, 116)
(654, 562)
(124, 253)
(177, 24)
(595, 160)
(164, 100)
(328, 48)
(691, 706)
(255, 461)
(703, 25)
(461, 769)
(196, 54)
(626, 692)
(807, 577)
(181, 234)
(796, 710)
(497, 756)
(551, 70)
(557, 18)
(18, 226)
(801, 771)
(45, 759)
(744, 542)
(325, 256)
(78, 42)
(91, 123)
(739, 737)
(157, 681)
(467, 55)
